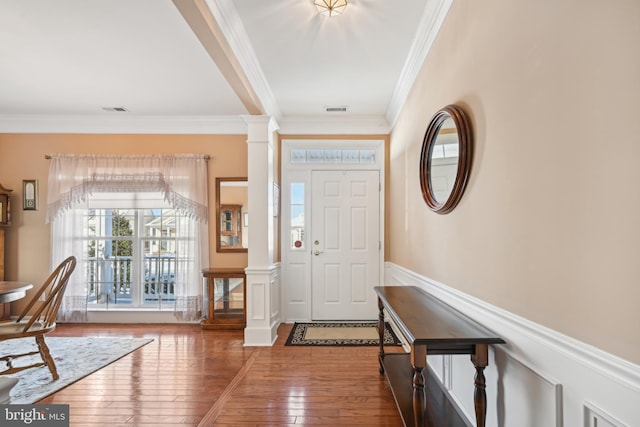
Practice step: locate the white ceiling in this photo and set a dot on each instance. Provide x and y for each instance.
(201, 65)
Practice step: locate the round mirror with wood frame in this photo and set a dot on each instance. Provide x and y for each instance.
(445, 159)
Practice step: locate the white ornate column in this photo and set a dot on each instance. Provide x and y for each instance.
(263, 278)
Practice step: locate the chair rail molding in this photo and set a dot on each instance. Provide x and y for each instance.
(550, 376)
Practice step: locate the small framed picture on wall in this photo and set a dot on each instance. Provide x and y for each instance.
(30, 194)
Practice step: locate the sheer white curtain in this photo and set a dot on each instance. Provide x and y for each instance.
(181, 179)
(63, 243)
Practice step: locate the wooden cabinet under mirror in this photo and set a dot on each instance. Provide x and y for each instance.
(226, 302)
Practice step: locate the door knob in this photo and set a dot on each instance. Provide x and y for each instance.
(317, 252)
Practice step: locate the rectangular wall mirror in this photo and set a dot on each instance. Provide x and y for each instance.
(232, 228)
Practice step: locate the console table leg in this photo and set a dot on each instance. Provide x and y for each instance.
(480, 361)
(418, 361)
(381, 334)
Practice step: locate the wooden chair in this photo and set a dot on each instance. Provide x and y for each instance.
(38, 319)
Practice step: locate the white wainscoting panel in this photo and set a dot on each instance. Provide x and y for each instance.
(258, 295)
(516, 386)
(596, 417)
(275, 294)
(540, 377)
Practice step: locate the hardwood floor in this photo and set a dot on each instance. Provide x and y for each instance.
(193, 377)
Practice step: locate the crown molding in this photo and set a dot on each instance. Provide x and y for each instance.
(230, 125)
(432, 19)
(233, 30)
(127, 124)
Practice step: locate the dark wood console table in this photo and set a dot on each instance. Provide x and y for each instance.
(430, 327)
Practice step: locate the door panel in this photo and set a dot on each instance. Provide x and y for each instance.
(345, 224)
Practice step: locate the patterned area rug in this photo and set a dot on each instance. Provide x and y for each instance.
(75, 359)
(340, 334)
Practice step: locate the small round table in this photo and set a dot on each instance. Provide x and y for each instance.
(11, 291)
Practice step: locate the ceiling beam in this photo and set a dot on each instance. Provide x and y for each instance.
(205, 27)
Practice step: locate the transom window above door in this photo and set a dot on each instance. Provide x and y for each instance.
(333, 155)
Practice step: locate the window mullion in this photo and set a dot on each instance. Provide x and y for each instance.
(138, 259)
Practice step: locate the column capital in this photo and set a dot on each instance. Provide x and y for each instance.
(260, 128)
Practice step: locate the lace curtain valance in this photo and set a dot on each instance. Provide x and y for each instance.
(181, 178)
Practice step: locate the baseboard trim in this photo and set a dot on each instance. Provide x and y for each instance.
(261, 337)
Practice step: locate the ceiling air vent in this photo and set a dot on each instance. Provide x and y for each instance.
(335, 109)
(116, 109)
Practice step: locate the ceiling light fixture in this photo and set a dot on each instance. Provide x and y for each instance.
(330, 7)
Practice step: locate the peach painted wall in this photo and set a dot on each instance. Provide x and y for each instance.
(549, 226)
(22, 156)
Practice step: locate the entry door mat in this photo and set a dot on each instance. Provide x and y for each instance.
(340, 334)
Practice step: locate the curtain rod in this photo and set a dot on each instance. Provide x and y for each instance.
(48, 157)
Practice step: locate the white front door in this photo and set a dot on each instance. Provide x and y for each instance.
(345, 244)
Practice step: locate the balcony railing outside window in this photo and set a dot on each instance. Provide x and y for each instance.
(131, 258)
(111, 280)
